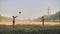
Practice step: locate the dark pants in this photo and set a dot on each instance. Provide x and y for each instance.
(13, 23)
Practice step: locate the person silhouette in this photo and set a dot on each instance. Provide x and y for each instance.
(43, 20)
(14, 20)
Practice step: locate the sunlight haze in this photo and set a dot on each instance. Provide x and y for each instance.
(30, 8)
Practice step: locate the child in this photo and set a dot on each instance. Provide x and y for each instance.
(14, 20)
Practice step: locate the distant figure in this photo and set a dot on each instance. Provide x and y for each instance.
(14, 20)
(43, 20)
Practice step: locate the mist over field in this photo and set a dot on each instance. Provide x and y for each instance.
(29, 16)
(35, 26)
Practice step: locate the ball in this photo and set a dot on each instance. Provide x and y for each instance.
(19, 12)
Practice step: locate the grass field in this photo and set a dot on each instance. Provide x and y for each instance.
(29, 28)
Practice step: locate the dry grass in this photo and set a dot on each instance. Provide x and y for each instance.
(27, 22)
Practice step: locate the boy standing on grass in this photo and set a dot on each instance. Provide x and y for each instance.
(14, 20)
(43, 20)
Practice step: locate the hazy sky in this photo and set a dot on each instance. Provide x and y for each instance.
(30, 8)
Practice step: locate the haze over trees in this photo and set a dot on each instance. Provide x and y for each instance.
(3, 19)
(54, 17)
